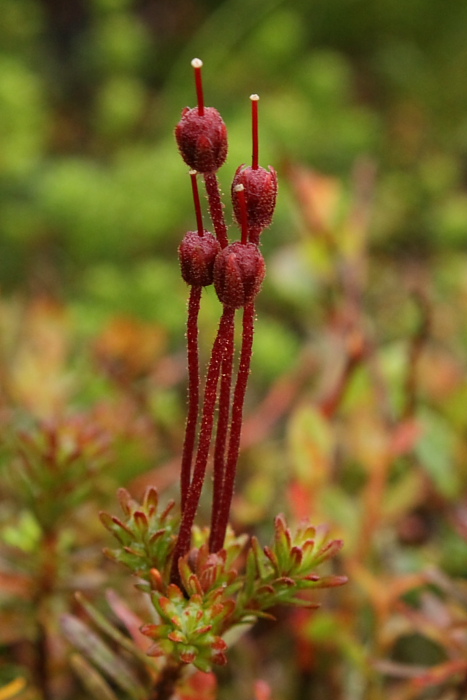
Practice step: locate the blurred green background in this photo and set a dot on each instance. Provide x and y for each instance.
(91, 184)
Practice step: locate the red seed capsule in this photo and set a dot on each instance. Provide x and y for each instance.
(260, 186)
(239, 271)
(202, 139)
(197, 255)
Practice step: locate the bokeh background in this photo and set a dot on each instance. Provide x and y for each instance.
(356, 411)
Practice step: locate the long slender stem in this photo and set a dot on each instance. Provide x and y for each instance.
(222, 425)
(217, 537)
(207, 421)
(193, 390)
(216, 208)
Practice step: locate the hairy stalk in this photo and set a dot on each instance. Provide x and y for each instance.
(217, 537)
(222, 424)
(207, 421)
(216, 208)
(254, 234)
(193, 390)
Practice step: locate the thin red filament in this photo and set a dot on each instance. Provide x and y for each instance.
(197, 64)
(240, 190)
(254, 130)
(197, 202)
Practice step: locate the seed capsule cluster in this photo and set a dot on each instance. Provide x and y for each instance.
(237, 270)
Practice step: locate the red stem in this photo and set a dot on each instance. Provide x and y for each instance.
(254, 130)
(193, 391)
(222, 425)
(217, 537)
(197, 64)
(207, 420)
(255, 234)
(216, 208)
(197, 203)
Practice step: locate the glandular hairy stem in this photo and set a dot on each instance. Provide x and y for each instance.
(221, 342)
(218, 535)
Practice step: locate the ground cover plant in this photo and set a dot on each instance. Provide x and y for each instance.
(354, 415)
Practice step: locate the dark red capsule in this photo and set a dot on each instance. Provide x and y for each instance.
(197, 255)
(202, 139)
(260, 186)
(239, 271)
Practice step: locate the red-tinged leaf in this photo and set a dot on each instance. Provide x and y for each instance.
(127, 504)
(111, 554)
(216, 609)
(157, 535)
(174, 592)
(166, 511)
(177, 637)
(283, 536)
(188, 656)
(266, 588)
(219, 644)
(271, 556)
(219, 659)
(152, 630)
(203, 630)
(307, 547)
(296, 555)
(134, 552)
(151, 499)
(106, 520)
(156, 580)
(121, 525)
(326, 581)
(329, 551)
(141, 520)
(155, 651)
(285, 581)
(164, 604)
(195, 585)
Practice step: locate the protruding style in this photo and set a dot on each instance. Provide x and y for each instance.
(201, 133)
(260, 186)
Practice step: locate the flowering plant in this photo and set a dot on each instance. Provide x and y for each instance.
(204, 582)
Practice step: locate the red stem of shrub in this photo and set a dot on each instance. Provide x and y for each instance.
(193, 391)
(216, 208)
(207, 421)
(218, 536)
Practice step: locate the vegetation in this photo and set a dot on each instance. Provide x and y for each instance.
(354, 416)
